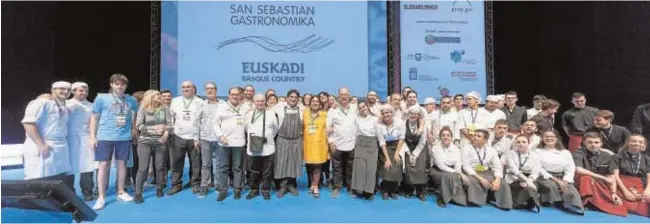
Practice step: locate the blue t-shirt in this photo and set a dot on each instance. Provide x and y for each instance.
(115, 116)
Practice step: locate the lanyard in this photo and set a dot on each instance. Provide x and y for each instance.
(342, 111)
(473, 116)
(120, 101)
(187, 104)
(233, 109)
(257, 115)
(606, 136)
(638, 163)
(521, 164)
(60, 107)
(479, 156)
(313, 118)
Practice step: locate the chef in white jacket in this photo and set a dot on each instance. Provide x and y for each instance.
(82, 156)
(45, 150)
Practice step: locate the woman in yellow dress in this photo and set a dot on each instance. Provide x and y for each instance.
(315, 142)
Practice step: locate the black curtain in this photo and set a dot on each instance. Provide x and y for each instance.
(44, 42)
(557, 48)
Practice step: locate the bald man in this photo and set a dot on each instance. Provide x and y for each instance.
(185, 110)
(341, 137)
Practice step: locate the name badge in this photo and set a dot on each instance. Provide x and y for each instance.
(120, 120)
(312, 129)
(187, 115)
(239, 120)
(481, 168)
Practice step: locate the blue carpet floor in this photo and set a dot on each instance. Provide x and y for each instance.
(186, 207)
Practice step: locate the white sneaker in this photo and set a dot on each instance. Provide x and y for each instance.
(99, 204)
(124, 197)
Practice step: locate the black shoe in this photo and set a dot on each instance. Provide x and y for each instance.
(187, 185)
(384, 196)
(237, 194)
(370, 197)
(203, 192)
(196, 189)
(88, 197)
(159, 193)
(441, 203)
(293, 191)
(266, 195)
(174, 190)
(281, 192)
(393, 196)
(252, 194)
(222, 196)
(138, 199)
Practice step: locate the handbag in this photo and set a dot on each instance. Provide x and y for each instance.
(256, 145)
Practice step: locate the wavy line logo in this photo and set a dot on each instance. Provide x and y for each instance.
(309, 44)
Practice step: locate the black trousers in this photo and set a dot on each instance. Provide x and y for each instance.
(325, 173)
(261, 172)
(342, 165)
(183, 147)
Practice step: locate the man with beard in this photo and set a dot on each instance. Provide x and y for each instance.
(289, 144)
(231, 131)
(82, 158)
(448, 117)
(46, 155)
(373, 103)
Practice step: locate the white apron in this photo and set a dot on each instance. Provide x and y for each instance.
(57, 161)
(82, 156)
(51, 120)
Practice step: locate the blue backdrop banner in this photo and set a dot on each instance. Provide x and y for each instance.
(443, 47)
(311, 46)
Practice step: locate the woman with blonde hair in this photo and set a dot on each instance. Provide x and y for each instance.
(154, 122)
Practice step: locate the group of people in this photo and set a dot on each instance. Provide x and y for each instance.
(501, 153)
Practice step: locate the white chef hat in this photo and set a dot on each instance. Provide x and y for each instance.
(413, 109)
(493, 98)
(474, 94)
(387, 107)
(429, 100)
(61, 84)
(78, 85)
